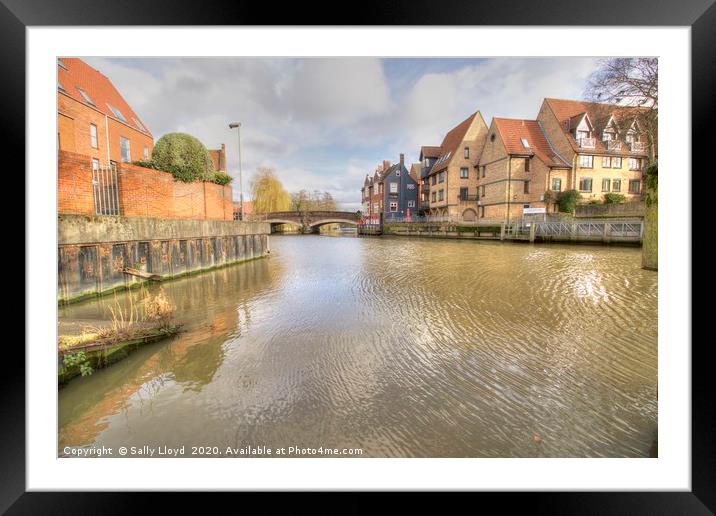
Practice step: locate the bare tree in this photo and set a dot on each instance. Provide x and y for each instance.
(632, 82)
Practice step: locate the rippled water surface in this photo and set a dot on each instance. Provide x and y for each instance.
(401, 347)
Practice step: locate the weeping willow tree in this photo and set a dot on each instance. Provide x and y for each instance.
(268, 193)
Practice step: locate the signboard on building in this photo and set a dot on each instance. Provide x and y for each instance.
(533, 211)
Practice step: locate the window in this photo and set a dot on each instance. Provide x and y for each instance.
(393, 205)
(605, 185)
(525, 206)
(483, 191)
(441, 195)
(394, 188)
(467, 153)
(397, 173)
(484, 170)
(95, 164)
(434, 197)
(426, 163)
(629, 137)
(634, 164)
(85, 96)
(139, 125)
(482, 212)
(616, 163)
(634, 186)
(146, 153)
(606, 162)
(411, 204)
(492, 137)
(441, 177)
(586, 161)
(585, 184)
(527, 187)
(608, 136)
(616, 185)
(117, 113)
(582, 134)
(435, 180)
(463, 194)
(124, 149)
(525, 143)
(556, 184)
(527, 164)
(93, 136)
(463, 173)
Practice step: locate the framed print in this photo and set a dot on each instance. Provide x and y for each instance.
(413, 252)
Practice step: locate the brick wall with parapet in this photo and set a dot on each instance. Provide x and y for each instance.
(143, 192)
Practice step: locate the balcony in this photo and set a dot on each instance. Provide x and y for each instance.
(469, 198)
(614, 145)
(586, 143)
(638, 146)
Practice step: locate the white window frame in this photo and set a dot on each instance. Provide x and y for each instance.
(145, 153)
(467, 173)
(121, 150)
(411, 204)
(393, 206)
(606, 162)
(94, 140)
(588, 158)
(560, 184)
(393, 187)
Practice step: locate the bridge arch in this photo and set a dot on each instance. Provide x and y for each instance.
(317, 223)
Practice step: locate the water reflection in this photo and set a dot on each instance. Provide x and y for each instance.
(401, 347)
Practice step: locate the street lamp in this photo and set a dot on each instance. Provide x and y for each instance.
(237, 125)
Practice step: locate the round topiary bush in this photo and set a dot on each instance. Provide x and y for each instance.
(183, 155)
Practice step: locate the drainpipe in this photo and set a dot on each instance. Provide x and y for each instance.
(106, 134)
(509, 187)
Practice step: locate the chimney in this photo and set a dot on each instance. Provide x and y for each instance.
(402, 160)
(222, 158)
(386, 165)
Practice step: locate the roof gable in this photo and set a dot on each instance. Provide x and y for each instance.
(452, 140)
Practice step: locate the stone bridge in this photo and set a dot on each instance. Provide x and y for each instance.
(309, 221)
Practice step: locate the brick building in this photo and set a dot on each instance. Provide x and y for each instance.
(218, 158)
(94, 120)
(449, 182)
(605, 145)
(391, 193)
(516, 166)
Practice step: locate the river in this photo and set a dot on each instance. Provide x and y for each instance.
(399, 347)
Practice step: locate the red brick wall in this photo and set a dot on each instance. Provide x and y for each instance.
(73, 131)
(74, 184)
(143, 192)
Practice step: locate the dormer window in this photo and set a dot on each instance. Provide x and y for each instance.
(582, 134)
(608, 136)
(85, 96)
(117, 113)
(525, 143)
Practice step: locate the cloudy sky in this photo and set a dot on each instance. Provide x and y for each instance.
(322, 124)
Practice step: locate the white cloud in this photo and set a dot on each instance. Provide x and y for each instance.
(323, 123)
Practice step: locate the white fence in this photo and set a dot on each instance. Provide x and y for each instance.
(105, 189)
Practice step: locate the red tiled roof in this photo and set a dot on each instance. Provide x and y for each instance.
(429, 151)
(73, 73)
(450, 143)
(513, 130)
(568, 112)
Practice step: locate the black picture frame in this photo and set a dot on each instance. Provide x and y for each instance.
(700, 15)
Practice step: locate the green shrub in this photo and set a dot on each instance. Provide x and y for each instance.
(568, 201)
(614, 198)
(595, 201)
(183, 156)
(220, 178)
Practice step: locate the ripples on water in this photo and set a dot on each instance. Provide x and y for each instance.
(400, 347)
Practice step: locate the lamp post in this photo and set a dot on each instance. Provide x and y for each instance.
(237, 125)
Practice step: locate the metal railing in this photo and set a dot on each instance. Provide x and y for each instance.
(105, 190)
(590, 228)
